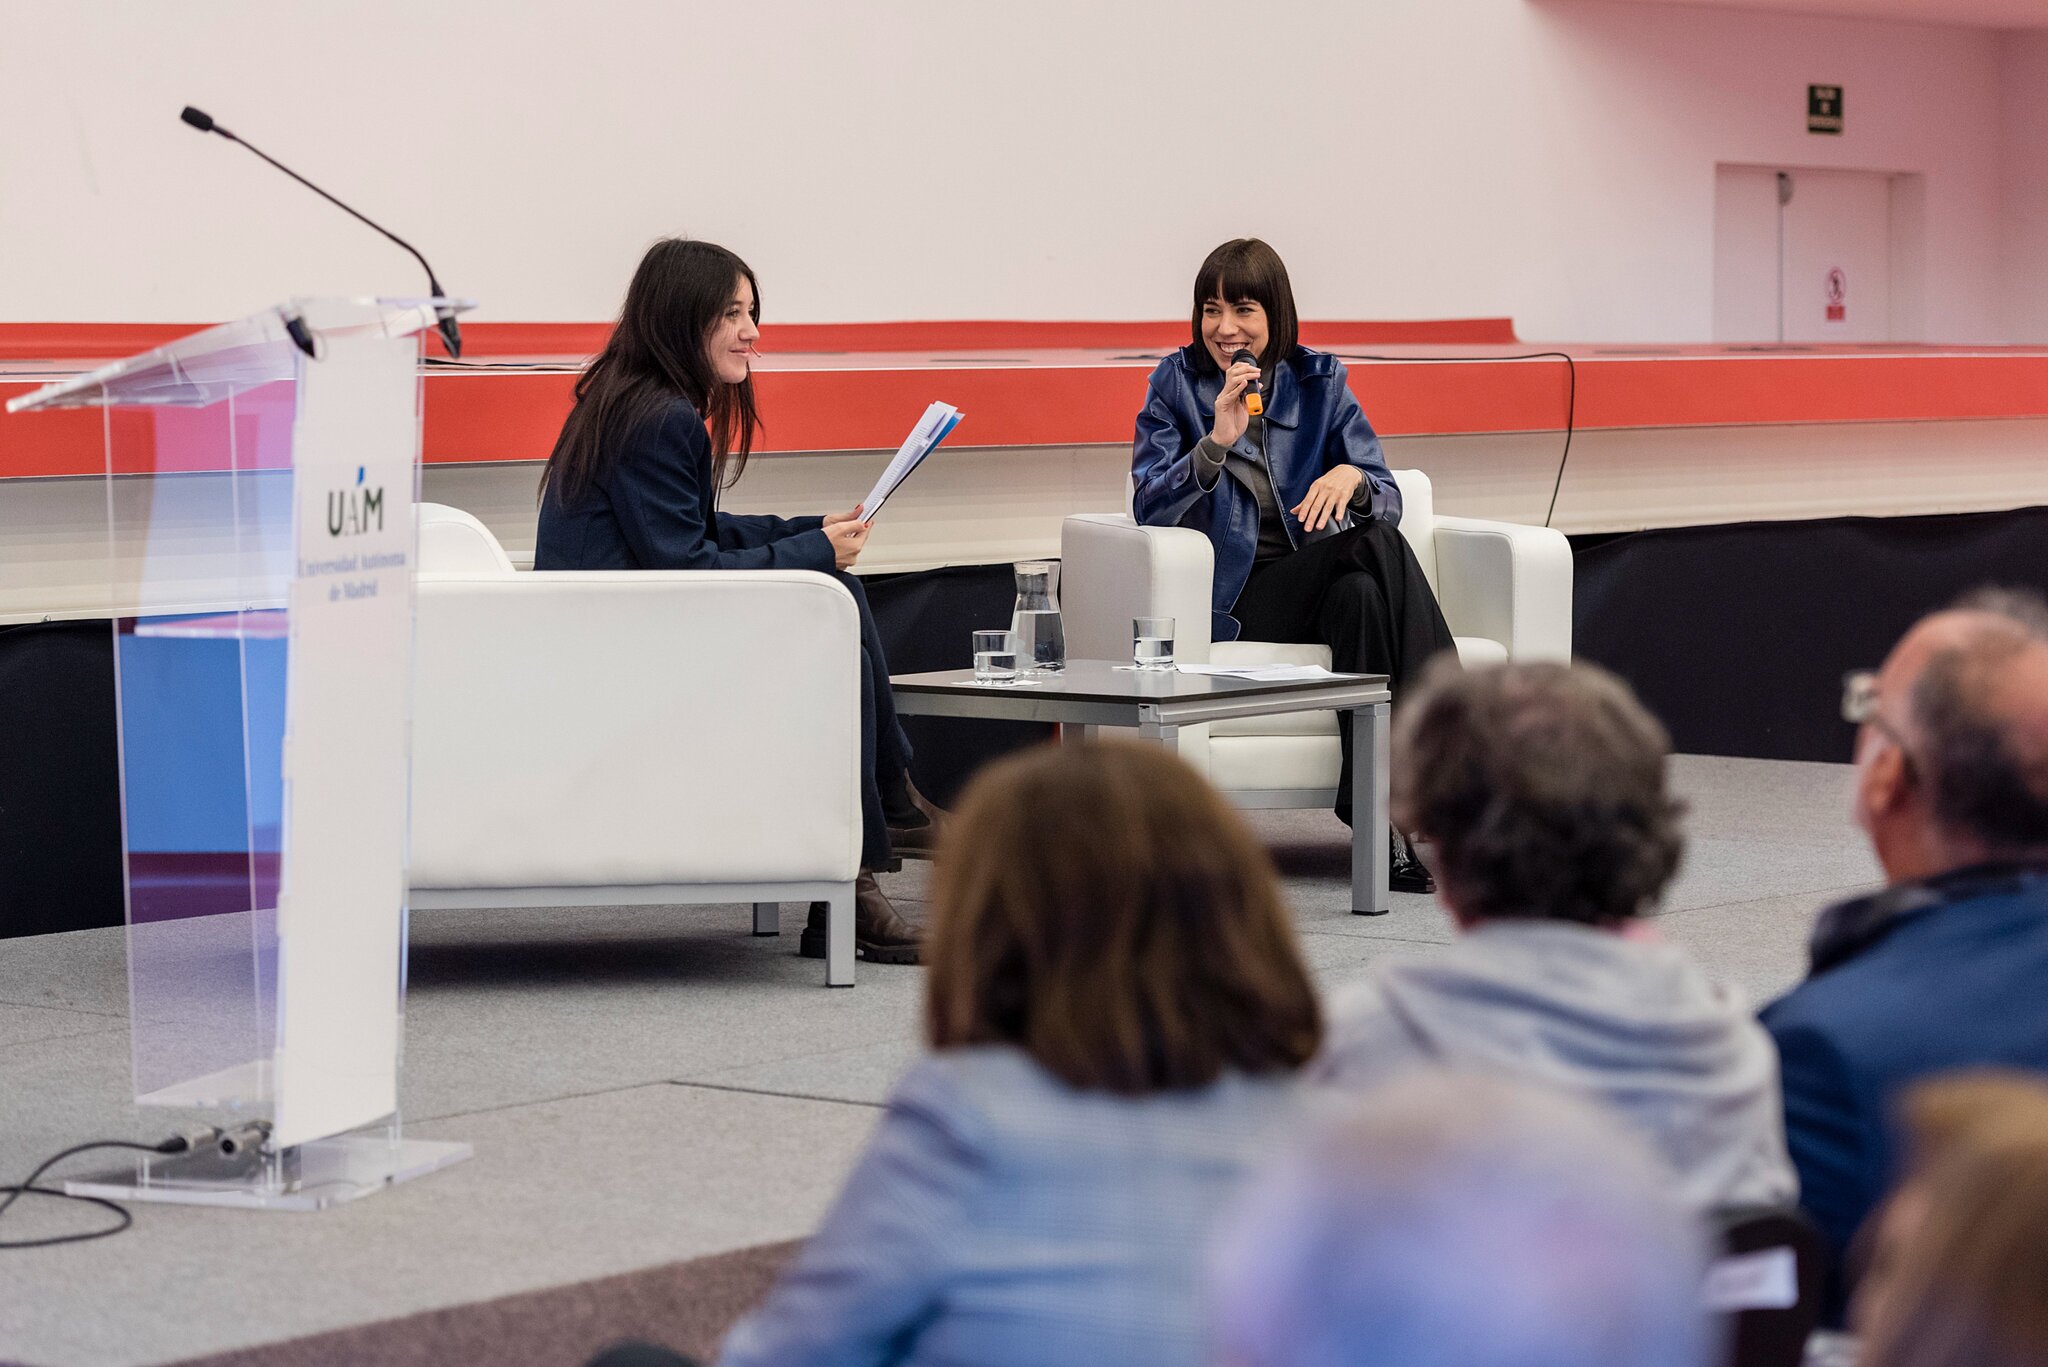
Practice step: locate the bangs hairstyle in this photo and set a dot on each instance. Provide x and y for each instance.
(657, 352)
(1101, 908)
(1246, 268)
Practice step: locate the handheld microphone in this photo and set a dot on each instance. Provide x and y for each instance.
(451, 335)
(1254, 398)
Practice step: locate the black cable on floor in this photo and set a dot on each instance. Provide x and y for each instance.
(1571, 401)
(177, 1143)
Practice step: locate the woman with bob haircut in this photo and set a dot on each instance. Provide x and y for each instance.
(1297, 500)
(663, 423)
(1116, 1010)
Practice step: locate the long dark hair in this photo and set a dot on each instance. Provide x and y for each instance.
(1246, 268)
(656, 353)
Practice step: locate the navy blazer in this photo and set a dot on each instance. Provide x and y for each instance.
(1951, 973)
(655, 507)
(1312, 425)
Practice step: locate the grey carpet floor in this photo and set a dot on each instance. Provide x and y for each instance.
(649, 1085)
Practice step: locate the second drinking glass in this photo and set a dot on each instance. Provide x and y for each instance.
(1152, 642)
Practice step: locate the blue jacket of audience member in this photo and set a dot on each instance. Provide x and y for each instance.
(1001, 1217)
(655, 507)
(1312, 425)
(1917, 980)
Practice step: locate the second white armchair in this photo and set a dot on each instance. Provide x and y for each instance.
(1505, 589)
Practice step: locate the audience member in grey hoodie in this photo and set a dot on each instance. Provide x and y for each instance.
(1541, 789)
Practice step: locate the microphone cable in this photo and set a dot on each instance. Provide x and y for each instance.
(183, 1142)
(1571, 402)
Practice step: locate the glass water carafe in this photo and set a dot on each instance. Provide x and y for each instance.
(1041, 636)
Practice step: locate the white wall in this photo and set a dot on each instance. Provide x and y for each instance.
(2023, 125)
(1549, 159)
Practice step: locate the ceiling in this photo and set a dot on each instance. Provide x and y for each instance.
(1969, 13)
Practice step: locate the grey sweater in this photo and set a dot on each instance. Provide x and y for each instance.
(1630, 1024)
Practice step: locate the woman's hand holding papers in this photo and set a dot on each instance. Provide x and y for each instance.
(848, 534)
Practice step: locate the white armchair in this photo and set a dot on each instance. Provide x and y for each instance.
(598, 738)
(1506, 590)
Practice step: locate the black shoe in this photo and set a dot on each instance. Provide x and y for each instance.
(879, 935)
(1406, 873)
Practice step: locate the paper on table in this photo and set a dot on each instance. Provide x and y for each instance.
(1260, 673)
(938, 420)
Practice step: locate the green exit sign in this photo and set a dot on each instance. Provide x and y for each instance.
(1824, 109)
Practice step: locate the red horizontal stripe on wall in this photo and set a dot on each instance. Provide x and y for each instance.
(1057, 398)
(1694, 391)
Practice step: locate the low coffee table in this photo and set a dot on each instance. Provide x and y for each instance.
(1158, 703)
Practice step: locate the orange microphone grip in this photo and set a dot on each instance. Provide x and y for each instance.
(1254, 402)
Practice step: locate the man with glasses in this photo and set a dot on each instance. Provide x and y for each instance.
(1948, 966)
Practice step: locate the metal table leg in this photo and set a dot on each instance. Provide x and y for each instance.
(1151, 728)
(1370, 829)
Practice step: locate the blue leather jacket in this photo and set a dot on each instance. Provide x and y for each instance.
(1313, 424)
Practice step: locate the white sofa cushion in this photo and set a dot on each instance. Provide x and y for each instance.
(632, 728)
(1474, 651)
(454, 542)
(1275, 762)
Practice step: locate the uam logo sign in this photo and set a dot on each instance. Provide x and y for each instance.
(352, 512)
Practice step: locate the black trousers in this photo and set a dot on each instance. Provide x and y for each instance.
(1363, 594)
(884, 749)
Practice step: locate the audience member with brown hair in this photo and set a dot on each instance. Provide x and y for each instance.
(1947, 967)
(1959, 1273)
(1542, 789)
(1117, 1010)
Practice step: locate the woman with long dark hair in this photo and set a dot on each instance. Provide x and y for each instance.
(1297, 501)
(663, 423)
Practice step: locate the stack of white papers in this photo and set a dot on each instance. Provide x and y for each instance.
(1260, 673)
(931, 429)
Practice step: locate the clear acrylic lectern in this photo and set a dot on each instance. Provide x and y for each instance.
(260, 510)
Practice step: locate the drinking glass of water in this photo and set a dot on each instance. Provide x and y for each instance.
(995, 658)
(1152, 642)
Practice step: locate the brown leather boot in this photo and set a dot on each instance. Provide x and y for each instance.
(879, 935)
(917, 839)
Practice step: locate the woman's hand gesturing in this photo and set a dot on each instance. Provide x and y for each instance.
(1328, 497)
(1231, 415)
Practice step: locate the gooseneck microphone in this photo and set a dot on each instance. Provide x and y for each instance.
(1254, 398)
(451, 335)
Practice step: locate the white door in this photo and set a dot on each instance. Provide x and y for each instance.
(1746, 287)
(1802, 256)
(1838, 257)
